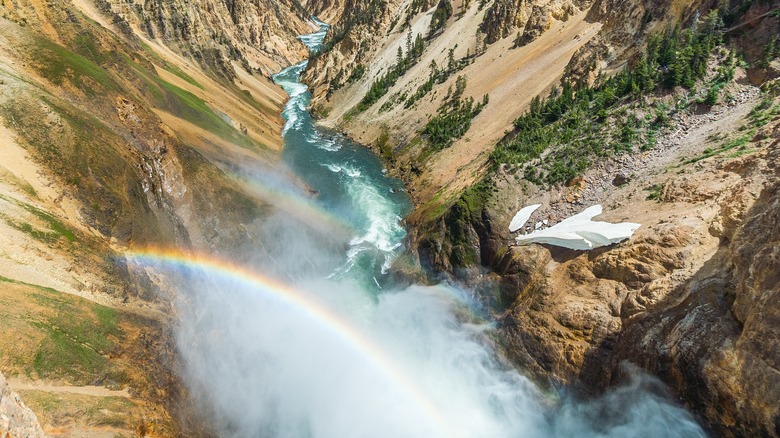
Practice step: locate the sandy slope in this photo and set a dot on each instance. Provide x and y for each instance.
(22, 257)
(514, 80)
(511, 77)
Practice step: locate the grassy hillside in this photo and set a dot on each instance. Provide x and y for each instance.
(50, 340)
(578, 124)
(111, 140)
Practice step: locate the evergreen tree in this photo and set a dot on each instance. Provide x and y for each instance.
(440, 16)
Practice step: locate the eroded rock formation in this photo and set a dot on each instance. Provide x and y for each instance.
(16, 419)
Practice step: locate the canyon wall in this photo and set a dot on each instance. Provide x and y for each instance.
(124, 126)
(689, 298)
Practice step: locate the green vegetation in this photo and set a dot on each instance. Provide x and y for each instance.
(403, 63)
(383, 145)
(758, 117)
(655, 192)
(392, 101)
(439, 76)
(58, 64)
(191, 108)
(763, 113)
(56, 229)
(453, 118)
(20, 183)
(357, 73)
(415, 8)
(182, 75)
(361, 13)
(43, 236)
(159, 61)
(580, 122)
(115, 412)
(338, 81)
(475, 196)
(738, 142)
(195, 110)
(61, 355)
(76, 336)
(77, 343)
(441, 14)
(56, 226)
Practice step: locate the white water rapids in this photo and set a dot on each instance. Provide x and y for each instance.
(327, 354)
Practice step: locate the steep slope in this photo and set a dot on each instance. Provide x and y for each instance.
(685, 144)
(122, 129)
(551, 39)
(674, 298)
(259, 35)
(509, 86)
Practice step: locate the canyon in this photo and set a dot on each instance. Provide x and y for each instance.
(130, 128)
(668, 299)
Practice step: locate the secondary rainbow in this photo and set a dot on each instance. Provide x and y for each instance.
(315, 311)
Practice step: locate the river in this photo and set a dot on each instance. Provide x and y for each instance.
(322, 350)
(348, 178)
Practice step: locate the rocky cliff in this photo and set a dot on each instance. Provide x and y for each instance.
(16, 419)
(689, 298)
(257, 35)
(124, 125)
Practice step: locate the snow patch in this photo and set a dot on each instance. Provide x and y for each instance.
(577, 232)
(522, 217)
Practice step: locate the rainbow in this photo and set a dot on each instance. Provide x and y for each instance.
(310, 308)
(295, 204)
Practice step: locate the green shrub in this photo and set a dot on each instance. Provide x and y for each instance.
(453, 118)
(579, 121)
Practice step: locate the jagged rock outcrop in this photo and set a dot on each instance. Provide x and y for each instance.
(692, 298)
(260, 35)
(502, 17)
(16, 419)
(716, 337)
(626, 25)
(541, 19)
(358, 29)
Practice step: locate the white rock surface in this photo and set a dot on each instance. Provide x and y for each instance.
(580, 231)
(16, 419)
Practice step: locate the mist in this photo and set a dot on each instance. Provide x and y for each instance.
(300, 340)
(277, 353)
(399, 365)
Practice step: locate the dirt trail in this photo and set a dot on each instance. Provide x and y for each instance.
(17, 385)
